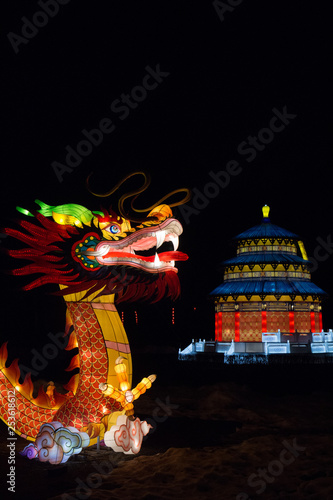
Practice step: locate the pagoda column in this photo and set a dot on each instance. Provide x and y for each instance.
(237, 327)
(218, 326)
(263, 321)
(291, 322)
(320, 321)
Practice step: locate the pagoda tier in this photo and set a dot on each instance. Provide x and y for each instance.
(267, 287)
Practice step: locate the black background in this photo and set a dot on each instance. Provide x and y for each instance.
(225, 77)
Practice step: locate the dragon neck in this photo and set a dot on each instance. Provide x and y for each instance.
(101, 339)
(100, 335)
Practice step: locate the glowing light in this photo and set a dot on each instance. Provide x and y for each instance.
(264, 321)
(265, 211)
(127, 435)
(218, 326)
(72, 213)
(124, 395)
(291, 322)
(302, 249)
(24, 211)
(56, 443)
(120, 369)
(237, 326)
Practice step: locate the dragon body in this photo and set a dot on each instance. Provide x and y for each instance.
(97, 259)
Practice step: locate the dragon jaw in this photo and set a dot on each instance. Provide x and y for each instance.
(125, 251)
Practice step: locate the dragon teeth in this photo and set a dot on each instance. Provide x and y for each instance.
(157, 261)
(160, 238)
(175, 241)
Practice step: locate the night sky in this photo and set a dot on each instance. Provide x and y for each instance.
(217, 80)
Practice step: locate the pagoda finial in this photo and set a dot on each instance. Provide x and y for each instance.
(265, 212)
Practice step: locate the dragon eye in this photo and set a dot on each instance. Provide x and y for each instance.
(113, 229)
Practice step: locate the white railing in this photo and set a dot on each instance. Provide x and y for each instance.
(271, 337)
(323, 336)
(322, 342)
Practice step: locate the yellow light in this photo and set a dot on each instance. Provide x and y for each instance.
(302, 249)
(121, 368)
(265, 211)
(124, 395)
(63, 219)
(124, 386)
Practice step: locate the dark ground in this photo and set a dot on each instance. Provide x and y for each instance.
(214, 428)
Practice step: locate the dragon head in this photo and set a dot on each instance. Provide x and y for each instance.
(101, 251)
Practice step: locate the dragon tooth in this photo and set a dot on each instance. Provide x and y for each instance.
(175, 241)
(172, 262)
(157, 261)
(160, 237)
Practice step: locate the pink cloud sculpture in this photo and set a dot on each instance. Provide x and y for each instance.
(127, 435)
(56, 444)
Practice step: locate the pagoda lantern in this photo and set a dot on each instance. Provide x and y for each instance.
(267, 287)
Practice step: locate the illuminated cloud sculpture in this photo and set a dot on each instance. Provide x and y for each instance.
(96, 259)
(56, 444)
(127, 435)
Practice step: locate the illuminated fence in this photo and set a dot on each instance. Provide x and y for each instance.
(272, 343)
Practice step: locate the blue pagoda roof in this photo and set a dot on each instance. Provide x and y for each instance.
(267, 287)
(266, 230)
(265, 258)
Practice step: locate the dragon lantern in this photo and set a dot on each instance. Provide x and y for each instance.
(98, 259)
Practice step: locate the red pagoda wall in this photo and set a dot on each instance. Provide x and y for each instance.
(228, 326)
(277, 320)
(303, 321)
(250, 326)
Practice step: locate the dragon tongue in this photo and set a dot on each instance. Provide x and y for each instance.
(156, 259)
(169, 256)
